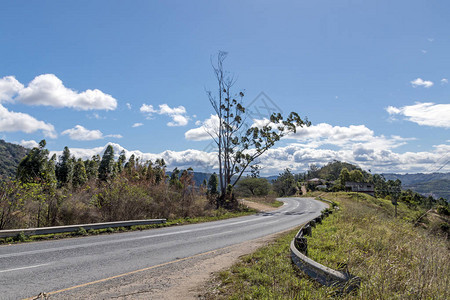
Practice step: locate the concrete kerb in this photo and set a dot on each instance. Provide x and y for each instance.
(73, 228)
(342, 281)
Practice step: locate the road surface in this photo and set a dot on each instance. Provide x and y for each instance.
(54, 267)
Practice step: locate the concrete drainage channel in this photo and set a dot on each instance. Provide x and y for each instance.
(74, 228)
(342, 281)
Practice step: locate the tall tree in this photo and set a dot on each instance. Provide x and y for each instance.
(106, 168)
(344, 177)
(239, 146)
(79, 174)
(35, 167)
(64, 168)
(356, 176)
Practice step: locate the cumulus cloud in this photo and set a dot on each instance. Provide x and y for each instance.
(137, 125)
(48, 90)
(344, 137)
(429, 114)
(15, 121)
(9, 86)
(178, 114)
(199, 160)
(204, 132)
(28, 144)
(444, 81)
(297, 157)
(420, 82)
(79, 133)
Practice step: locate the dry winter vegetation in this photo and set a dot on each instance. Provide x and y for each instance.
(394, 258)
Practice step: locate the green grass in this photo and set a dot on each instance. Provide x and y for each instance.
(394, 259)
(219, 215)
(267, 274)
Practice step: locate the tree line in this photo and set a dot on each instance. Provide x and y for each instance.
(49, 191)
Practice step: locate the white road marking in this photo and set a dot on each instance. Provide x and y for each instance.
(127, 239)
(22, 268)
(215, 234)
(263, 219)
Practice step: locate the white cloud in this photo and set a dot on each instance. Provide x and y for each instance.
(296, 157)
(48, 90)
(129, 105)
(178, 114)
(344, 137)
(148, 109)
(15, 121)
(420, 82)
(444, 81)
(9, 86)
(429, 114)
(79, 133)
(202, 133)
(28, 144)
(199, 160)
(137, 125)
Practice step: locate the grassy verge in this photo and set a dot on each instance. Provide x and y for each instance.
(219, 215)
(394, 259)
(266, 274)
(268, 200)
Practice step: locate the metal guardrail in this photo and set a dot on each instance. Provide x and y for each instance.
(343, 281)
(72, 228)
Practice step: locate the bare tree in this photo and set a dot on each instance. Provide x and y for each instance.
(239, 145)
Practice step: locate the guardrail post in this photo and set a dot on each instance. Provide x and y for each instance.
(307, 230)
(302, 244)
(312, 223)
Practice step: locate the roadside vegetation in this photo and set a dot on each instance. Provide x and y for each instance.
(396, 258)
(51, 191)
(219, 215)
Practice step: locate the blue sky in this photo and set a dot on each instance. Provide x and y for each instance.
(372, 76)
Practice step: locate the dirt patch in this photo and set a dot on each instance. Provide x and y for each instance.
(185, 279)
(258, 206)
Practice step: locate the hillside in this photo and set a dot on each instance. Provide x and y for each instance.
(10, 156)
(436, 184)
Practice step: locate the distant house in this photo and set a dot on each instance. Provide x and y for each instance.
(315, 181)
(360, 187)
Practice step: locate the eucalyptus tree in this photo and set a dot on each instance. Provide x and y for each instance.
(240, 145)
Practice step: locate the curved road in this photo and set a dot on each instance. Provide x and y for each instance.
(29, 269)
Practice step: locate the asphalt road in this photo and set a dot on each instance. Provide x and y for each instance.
(31, 268)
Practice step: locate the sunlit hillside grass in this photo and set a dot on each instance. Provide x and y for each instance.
(394, 258)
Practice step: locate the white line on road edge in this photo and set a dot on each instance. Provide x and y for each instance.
(126, 239)
(143, 237)
(22, 268)
(215, 234)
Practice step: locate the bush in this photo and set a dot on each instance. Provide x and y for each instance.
(443, 210)
(81, 231)
(21, 237)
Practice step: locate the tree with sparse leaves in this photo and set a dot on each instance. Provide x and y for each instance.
(238, 145)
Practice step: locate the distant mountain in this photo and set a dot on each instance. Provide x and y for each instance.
(10, 157)
(435, 184)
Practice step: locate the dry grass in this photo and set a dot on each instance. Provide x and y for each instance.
(394, 259)
(269, 200)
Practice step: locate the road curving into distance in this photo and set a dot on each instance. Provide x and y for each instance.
(29, 269)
